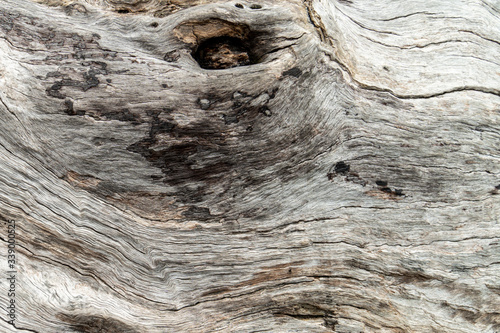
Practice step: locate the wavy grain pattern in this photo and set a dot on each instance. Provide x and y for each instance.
(334, 167)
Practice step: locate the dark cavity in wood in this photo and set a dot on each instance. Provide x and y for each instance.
(223, 52)
(342, 167)
(398, 192)
(339, 168)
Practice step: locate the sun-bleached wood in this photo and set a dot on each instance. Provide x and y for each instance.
(346, 181)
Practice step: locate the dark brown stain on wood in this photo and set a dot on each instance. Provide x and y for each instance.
(82, 181)
(44, 239)
(28, 33)
(183, 149)
(198, 213)
(95, 324)
(89, 79)
(273, 273)
(412, 277)
(295, 72)
(216, 291)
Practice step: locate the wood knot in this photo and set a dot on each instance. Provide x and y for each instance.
(222, 52)
(220, 44)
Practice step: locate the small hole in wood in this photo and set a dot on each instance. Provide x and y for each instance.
(154, 24)
(239, 5)
(342, 167)
(255, 6)
(123, 11)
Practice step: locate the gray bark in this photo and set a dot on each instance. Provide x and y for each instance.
(338, 172)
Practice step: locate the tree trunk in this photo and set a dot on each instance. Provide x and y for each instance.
(267, 166)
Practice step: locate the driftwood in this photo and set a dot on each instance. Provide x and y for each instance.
(267, 166)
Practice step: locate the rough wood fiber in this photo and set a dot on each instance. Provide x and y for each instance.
(345, 181)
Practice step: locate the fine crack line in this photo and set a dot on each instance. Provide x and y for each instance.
(365, 27)
(265, 286)
(496, 10)
(22, 328)
(410, 47)
(315, 20)
(478, 58)
(405, 16)
(11, 112)
(480, 36)
(430, 95)
(90, 274)
(361, 85)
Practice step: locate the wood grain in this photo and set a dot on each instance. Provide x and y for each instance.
(345, 180)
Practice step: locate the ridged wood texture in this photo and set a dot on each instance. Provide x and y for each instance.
(346, 181)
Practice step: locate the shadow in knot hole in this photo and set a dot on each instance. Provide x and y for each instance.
(223, 52)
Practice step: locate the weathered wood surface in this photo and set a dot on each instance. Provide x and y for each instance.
(152, 195)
